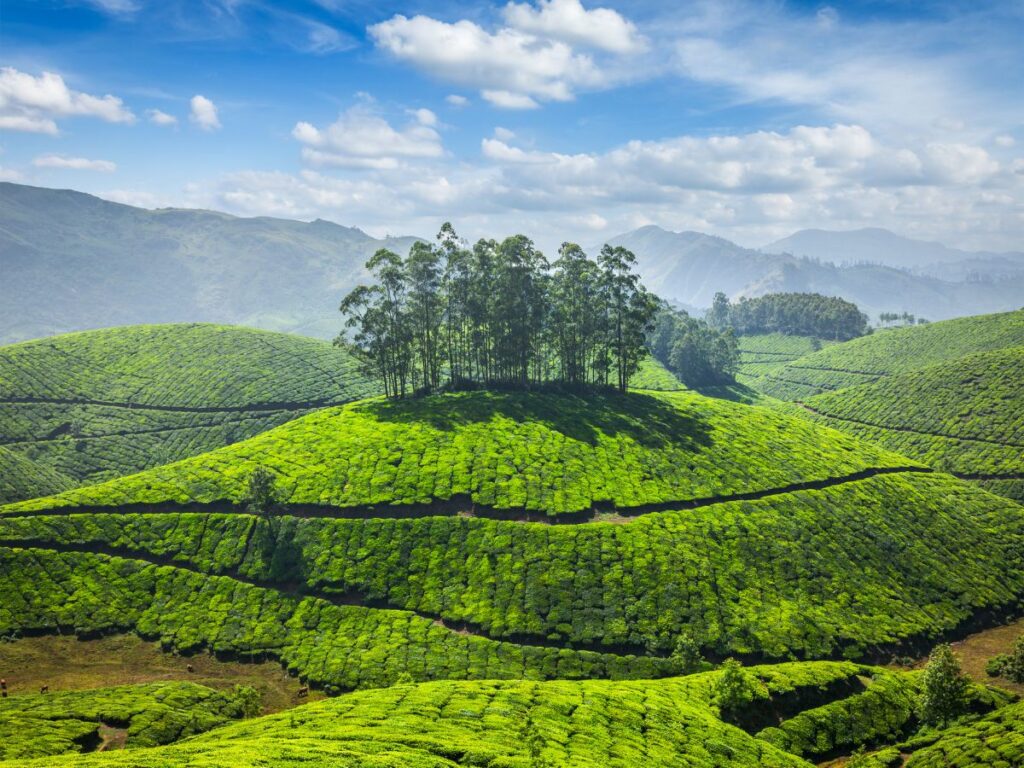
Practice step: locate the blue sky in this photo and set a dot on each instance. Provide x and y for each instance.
(561, 119)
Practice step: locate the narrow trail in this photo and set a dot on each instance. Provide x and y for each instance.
(301, 591)
(463, 506)
(284, 405)
(890, 428)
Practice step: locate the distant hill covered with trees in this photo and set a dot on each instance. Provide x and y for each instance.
(794, 314)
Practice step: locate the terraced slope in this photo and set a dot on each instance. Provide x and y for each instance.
(527, 453)
(519, 724)
(22, 478)
(965, 417)
(885, 353)
(996, 741)
(764, 353)
(99, 404)
(654, 375)
(150, 715)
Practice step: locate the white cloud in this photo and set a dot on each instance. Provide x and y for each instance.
(74, 163)
(456, 100)
(827, 17)
(503, 134)
(33, 104)
(158, 117)
(10, 174)
(569, 21)
(204, 113)
(1005, 141)
(361, 138)
(512, 68)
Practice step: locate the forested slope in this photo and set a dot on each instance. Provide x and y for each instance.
(98, 404)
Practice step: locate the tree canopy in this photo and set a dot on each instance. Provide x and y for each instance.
(450, 316)
(698, 354)
(796, 314)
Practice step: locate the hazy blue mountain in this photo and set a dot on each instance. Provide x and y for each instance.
(880, 246)
(71, 261)
(690, 267)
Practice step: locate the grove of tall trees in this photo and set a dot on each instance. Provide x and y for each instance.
(498, 314)
(797, 314)
(698, 354)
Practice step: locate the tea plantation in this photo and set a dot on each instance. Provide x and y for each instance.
(35, 725)
(996, 741)
(22, 478)
(869, 358)
(763, 353)
(589, 724)
(965, 417)
(536, 453)
(98, 404)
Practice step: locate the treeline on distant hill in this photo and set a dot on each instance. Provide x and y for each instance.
(796, 314)
(498, 314)
(696, 353)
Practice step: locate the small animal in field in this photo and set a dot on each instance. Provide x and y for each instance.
(189, 668)
(45, 689)
(304, 691)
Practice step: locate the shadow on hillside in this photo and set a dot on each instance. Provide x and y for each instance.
(736, 392)
(649, 420)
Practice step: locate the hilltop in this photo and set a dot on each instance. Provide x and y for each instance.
(72, 261)
(88, 406)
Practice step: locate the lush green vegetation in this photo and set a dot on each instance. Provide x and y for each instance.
(35, 725)
(517, 724)
(792, 314)
(885, 353)
(817, 572)
(995, 741)
(763, 353)
(965, 417)
(696, 353)
(98, 404)
(22, 478)
(653, 375)
(448, 316)
(540, 452)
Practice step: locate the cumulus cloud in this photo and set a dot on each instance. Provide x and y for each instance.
(534, 58)
(361, 138)
(204, 113)
(34, 103)
(456, 100)
(569, 21)
(74, 163)
(158, 117)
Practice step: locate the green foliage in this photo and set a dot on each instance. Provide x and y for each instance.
(965, 417)
(35, 725)
(686, 653)
(652, 374)
(834, 570)
(764, 353)
(886, 353)
(696, 353)
(944, 688)
(84, 407)
(994, 741)
(1009, 665)
(261, 494)
(23, 478)
(793, 314)
(734, 690)
(540, 452)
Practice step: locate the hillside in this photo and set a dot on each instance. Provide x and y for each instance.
(423, 519)
(23, 478)
(88, 406)
(72, 261)
(690, 267)
(798, 713)
(965, 417)
(884, 353)
(764, 353)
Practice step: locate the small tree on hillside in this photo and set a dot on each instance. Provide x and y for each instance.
(944, 688)
(734, 688)
(1010, 666)
(261, 491)
(686, 654)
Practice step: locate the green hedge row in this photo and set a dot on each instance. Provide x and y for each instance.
(22, 478)
(341, 646)
(35, 725)
(995, 741)
(812, 573)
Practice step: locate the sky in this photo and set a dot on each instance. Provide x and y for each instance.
(560, 119)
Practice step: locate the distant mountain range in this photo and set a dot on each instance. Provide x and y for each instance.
(868, 267)
(71, 261)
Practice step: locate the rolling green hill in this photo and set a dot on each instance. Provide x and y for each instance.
(22, 478)
(884, 353)
(539, 524)
(590, 724)
(764, 353)
(88, 406)
(996, 741)
(965, 417)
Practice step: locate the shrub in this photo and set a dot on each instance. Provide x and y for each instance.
(944, 688)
